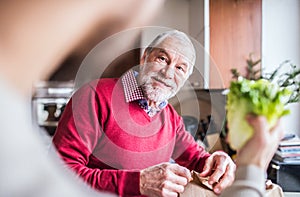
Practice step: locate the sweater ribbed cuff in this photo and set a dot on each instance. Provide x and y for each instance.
(129, 182)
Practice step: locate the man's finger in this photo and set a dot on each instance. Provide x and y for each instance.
(218, 173)
(225, 181)
(181, 172)
(207, 167)
(173, 187)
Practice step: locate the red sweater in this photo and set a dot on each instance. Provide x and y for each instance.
(107, 141)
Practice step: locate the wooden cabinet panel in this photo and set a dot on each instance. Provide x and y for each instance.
(235, 32)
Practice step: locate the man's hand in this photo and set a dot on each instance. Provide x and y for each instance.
(164, 179)
(221, 169)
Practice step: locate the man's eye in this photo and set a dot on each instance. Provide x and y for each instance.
(162, 59)
(180, 68)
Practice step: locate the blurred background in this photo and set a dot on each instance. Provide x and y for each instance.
(225, 32)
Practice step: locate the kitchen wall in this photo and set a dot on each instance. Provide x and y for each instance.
(186, 16)
(281, 41)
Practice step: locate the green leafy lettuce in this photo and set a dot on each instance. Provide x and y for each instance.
(260, 97)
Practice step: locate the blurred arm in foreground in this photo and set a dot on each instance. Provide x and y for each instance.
(35, 38)
(253, 159)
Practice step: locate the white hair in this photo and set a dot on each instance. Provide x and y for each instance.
(178, 35)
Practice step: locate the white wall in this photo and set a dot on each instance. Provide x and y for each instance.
(186, 16)
(174, 15)
(281, 41)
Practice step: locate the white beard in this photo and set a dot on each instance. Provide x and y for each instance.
(156, 94)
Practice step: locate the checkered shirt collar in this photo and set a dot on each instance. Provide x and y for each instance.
(133, 92)
(131, 89)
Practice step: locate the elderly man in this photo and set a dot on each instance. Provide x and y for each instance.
(120, 134)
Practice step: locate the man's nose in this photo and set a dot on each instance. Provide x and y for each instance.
(169, 72)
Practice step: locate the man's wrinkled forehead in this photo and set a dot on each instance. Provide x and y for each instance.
(179, 48)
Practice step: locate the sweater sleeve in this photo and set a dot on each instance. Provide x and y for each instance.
(187, 152)
(76, 137)
(249, 181)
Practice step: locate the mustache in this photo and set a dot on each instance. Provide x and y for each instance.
(164, 81)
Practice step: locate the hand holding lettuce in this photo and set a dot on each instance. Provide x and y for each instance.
(266, 96)
(259, 97)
